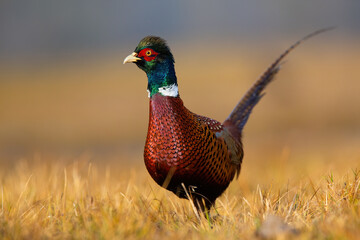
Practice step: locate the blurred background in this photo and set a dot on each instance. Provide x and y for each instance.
(65, 92)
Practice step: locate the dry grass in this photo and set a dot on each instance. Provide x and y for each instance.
(48, 199)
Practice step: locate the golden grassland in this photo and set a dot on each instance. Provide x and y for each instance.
(45, 198)
(71, 136)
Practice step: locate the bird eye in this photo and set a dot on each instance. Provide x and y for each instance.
(148, 53)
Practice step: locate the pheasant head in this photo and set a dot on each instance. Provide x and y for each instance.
(154, 57)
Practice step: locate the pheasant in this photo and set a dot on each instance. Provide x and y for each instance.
(193, 156)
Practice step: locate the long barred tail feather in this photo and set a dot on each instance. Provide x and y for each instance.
(241, 112)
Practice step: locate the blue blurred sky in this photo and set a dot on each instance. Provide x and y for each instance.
(48, 27)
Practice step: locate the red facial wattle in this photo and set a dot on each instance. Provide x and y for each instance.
(148, 54)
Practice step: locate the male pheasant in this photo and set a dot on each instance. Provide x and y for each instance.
(191, 155)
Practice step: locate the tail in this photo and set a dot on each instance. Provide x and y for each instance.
(241, 112)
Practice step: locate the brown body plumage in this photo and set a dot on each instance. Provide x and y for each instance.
(185, 148)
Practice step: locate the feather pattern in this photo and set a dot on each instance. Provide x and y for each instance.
(185, 145)
(241, 112)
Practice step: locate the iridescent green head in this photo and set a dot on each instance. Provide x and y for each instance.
(154, 57)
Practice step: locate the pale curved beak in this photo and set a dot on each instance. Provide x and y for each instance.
(131, 58)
